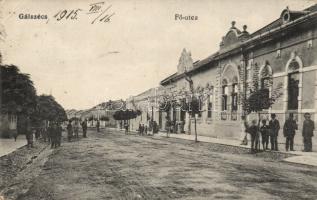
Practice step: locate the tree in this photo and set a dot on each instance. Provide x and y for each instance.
(260, 98)
(18, 95)
(48, 109)
(104, 118)
(193, 107)
(126, 115)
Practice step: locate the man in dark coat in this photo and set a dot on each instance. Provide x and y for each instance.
(98, 125)
(274, 129)
(69, 130)
(253, 131)
(308, 132)
(52, 134)
(28, 132)
(265, 134)
(289, 129)
(84, 126)
(59, 131)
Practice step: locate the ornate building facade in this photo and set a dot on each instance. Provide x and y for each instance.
(283, 52)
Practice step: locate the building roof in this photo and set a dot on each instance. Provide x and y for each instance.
(267, 30)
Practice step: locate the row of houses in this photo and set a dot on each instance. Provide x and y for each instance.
(102, 112)
(282, 52)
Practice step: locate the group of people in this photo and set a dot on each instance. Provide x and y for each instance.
(73, 129)
(51, 133)
(269, 133)
(54, 132)
(143, 129)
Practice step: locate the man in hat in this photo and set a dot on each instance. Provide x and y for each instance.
(274, 129)
(289, 129)
(308, 132)
(98, 125)
(84, 126)
(52, 134)
(76, 128)
(59, 131)
(69, 130)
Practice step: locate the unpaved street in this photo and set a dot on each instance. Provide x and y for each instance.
(111, 165)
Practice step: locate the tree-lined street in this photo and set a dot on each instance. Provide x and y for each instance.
(112, 165)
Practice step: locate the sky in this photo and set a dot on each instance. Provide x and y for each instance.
(82, 64)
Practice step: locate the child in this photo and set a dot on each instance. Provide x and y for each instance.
(265, 134)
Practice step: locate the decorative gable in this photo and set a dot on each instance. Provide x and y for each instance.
(234, 36)
(185, 62)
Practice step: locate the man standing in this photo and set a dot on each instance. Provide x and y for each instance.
(84, 126)
(265, 134)
(308, 132)
(69, 131)
(59, 131)
(126, 128)
(289, 132)
(52, 134)
(253, 131)
(98, 125)
(76, 128)
(274, 129)
(28, 132)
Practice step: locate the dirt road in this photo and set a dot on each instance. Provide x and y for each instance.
(111, 165)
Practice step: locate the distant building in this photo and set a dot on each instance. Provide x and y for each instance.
(103, 112)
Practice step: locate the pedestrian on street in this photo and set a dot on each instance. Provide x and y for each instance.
(264, 134)
(308, 132)
(253, 131)
(52, 134)
(244, 127)
(274, 129)
(168, 128)
(15, 135)
(289, 131)
(145, 129)
(37, 131)
(140, 129)
(69, 131)
(28, 132)
(98, 125)
(59, 131)
(126, 127)
(76, 128)
(84, 126)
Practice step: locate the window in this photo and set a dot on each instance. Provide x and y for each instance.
(293, 90)
(209, 111)
(234, 101)
(265, 83)
(200, 106)
(224, 97)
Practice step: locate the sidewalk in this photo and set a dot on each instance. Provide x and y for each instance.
(305, 158)
(9, 145)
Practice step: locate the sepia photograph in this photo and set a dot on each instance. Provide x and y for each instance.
(158, 99)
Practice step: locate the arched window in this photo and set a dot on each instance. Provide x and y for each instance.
(266, 80)
(266, 77)
(224, 95)
(293, 85)
(234, 99)
(210, 106)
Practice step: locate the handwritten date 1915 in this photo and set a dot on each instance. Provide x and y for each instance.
(67, 14)
(97, 11)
